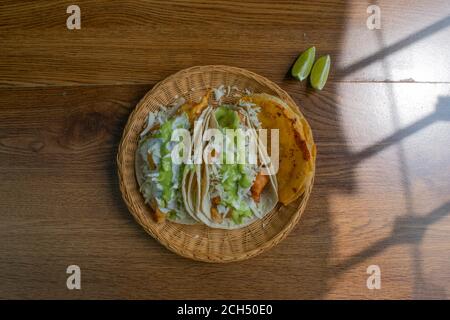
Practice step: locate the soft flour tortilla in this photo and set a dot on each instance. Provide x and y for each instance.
(268, 199)
(190, 180)
(297, 149)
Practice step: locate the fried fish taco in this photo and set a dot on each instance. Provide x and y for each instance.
(162, 181)
(235, 194)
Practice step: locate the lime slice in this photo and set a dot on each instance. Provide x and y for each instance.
(304, 63)
(319, 73)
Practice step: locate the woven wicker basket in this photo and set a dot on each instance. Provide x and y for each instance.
(200, 242)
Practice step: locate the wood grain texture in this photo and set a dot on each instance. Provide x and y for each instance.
(382, 188)
(142, 42)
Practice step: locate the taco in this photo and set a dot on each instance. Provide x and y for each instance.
(235, 193)
(161, 180)
(297, 151)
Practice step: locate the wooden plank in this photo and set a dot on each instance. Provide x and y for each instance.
(381, 197)
(133, 42)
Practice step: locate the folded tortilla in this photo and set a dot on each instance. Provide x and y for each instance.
(168, 198)
(235, 208)
(297, 149)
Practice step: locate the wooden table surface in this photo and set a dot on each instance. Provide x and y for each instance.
(382, 190)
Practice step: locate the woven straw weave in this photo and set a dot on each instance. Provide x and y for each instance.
(200, 242)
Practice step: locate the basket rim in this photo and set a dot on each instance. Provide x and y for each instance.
(120, 162)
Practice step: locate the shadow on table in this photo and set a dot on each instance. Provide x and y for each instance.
(411, 227)
(408, 229)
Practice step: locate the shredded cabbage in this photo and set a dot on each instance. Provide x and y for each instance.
(163, 183)
(232, 182)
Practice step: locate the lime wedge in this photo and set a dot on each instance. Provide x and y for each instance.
(304, 63)
(319, 73)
